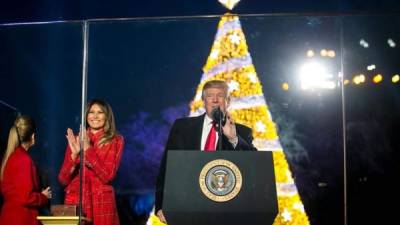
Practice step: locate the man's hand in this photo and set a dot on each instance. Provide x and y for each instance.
(230, 129)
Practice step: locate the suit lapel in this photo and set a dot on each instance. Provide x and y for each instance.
(197, 131)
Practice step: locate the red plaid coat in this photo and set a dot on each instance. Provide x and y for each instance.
(21, 191)
(101, 164)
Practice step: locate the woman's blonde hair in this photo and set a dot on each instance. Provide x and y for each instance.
(21, 132)
(109, 126)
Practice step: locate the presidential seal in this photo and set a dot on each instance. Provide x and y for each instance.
(220, 180)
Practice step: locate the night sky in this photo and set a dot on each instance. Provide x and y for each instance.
(49, 10)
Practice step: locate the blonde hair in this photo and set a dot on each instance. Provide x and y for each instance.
(215, 84)
(21, 132)
(109, 126)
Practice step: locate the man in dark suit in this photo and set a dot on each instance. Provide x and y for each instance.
(194, 133)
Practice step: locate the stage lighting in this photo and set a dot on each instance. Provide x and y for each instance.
(313, 75)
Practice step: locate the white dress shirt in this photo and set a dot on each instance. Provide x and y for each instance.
(207, 124)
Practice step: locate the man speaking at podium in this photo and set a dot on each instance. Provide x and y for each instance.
(201, 132)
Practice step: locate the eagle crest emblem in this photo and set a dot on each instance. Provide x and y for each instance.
(220, 180)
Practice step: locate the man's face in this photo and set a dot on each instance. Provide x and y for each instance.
(214, 97)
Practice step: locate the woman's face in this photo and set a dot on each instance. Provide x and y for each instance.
(96, 118)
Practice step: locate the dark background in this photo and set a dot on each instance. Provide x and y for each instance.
(148, 70)
(45, 10)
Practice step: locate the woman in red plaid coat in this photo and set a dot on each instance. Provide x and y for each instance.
(102, 153)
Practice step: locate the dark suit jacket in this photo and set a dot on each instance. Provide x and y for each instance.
(185, 134)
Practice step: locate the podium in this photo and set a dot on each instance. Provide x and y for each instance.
(219, 188)
(59, 220)
(62, 215)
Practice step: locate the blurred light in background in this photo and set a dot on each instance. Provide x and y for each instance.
(328, 53)
(310, 53)
(395, 78)
(331, 54)
(363, 43)
(359, 79)
(371, 67)
(377, 78)
(285, 86)
(313, 75)
(324, 52)
(391, 43)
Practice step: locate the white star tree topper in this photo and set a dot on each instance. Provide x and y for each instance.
(229, 3)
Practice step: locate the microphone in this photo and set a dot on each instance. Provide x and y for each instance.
(218, 116)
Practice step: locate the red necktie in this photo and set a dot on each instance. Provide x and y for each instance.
(211, 139)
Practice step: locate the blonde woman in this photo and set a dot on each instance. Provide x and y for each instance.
(18, 177)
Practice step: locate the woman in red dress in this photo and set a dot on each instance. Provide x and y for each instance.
(19, 180)
(102, 154)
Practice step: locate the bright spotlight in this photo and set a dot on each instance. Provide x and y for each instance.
(314, 75)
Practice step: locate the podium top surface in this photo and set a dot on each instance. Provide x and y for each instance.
(59, 220)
